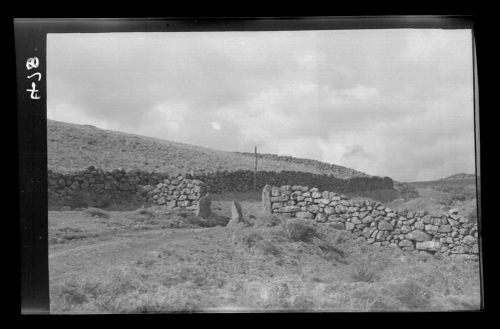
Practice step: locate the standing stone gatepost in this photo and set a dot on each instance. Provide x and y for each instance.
(203, 209)
(266, 200)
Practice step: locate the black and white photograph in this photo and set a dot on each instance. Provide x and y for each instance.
(330, 170)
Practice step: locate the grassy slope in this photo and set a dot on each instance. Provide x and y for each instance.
(441, 195)
(135, 262)
(73, 147)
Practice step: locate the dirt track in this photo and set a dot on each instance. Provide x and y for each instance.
(92, 256)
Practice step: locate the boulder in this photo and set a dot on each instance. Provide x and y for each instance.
(429, 245)
(304, 215)
(385, 226)
(469, 240)
(367, 219)
(405, 243)
(418, 235)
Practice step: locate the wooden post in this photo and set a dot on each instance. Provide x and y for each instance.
(255, 171)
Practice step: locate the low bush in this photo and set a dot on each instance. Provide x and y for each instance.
(300, 230)
(411, 294)
(267, 248)
(363, 271)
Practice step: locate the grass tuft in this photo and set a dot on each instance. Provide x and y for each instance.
(300, 230)
(96, 212)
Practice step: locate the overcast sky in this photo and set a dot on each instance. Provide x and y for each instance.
(395, 103)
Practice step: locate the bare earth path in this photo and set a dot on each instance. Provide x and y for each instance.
(96, 257)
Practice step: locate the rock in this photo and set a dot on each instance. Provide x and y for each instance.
(429, 245)
(349, 226)
(203, 209)
(458, 250)
(463, 220)
(275, 191)
(329, 210)
(337, 225)
(385, 226)
(316, 195)
(418, 235)
(320, 218)
(266, 200)
(475, 248)
(289, 209)
(355, 220)
(444, 229)
(367, 232)
(405, 243)
(452, 222)
(281, 198)
(419, 225)
(469, 240)
(381, 235)
(237, 216)
(340, 209)
(410, 221)
(368, 219)
(431, 228)
(405, 229)
(304, 215)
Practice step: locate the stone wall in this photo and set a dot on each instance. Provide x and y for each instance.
(242, 181)
(116, 183)
(379, 225)
(173, 192)
(178, 192)
(136, 184)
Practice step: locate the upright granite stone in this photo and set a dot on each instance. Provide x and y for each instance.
(237, 215)
(236, 212)
(203, 209)
(266, 200)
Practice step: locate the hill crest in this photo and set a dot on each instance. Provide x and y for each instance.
(74, 147)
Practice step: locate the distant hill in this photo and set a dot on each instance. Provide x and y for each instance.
(336, 170)
(460, 176)
(73, 147)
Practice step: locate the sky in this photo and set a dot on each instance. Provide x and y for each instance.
(395, 103)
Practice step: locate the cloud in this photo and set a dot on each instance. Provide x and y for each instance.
(216, 125)
(396, 103)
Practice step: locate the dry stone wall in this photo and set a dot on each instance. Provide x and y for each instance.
(173, 192)
(178, 192)
(116, 183)
(447, 234)
(242, 181)
(138, 184)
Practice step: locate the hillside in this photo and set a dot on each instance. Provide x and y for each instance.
(338, 171)
(460, 176)
(457, 191)
(72, 147)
